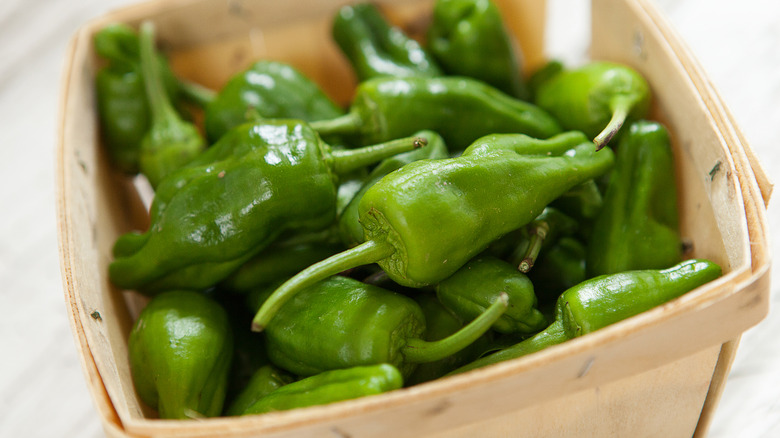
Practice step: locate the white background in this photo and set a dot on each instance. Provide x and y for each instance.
(42, 388)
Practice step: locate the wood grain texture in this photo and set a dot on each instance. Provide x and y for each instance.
(41, 381)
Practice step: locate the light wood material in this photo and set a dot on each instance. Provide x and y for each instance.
(604, 374)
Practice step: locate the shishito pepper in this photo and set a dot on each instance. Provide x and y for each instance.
(349, 224)
(426, 220)
(596, 98)
(264, 381)
(460, 109)
(170, 142)
(559, 267)
(267, 89)
(341, 322)
(376, 48)
(180, 350)
(330, 387)
(257, 182)
(469, 38)
(638, 227)
(472, 288)
(605, 300)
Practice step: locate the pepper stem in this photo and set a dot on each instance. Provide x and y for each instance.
(160, 105)
(554, 334)
(619, 113)
(420, 351)
(349, 123)
(370, 251)
(538, 233)
(197, 93)
(347, 160)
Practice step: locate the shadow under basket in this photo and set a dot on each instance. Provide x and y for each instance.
(660, 373)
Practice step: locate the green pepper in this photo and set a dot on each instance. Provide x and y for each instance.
(528, 241)
(596, 98)
(638, 225)
(460, 109)
(121, 97)
(472, 288)
(212, 216)
(349, 224)
(375, 48)
(180, 350)
(267, 89)
(605, 300)
(559, 267)
(263, 382)
(426, 220)
(341, 322)
(469, 38)
(440, 322)
(330, 387)
(170, 142)
(583, 202)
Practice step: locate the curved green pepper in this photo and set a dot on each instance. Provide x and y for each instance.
(341, 322)
(170, 142)
(605, 300)
(330, 387)
(349, 224)
(472, 288)
(267, 89)
(258, 181)
(638, 224)
(264, 381)
(440, 322)
(180, 350)
(469, 38)
(596, 98)
(375, 48)
(427, 219)
(460, 109)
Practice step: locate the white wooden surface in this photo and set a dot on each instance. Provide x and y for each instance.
(42, 389)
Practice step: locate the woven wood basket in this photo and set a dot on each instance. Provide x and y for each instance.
(660, 373)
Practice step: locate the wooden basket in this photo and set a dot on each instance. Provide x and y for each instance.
(660, 373)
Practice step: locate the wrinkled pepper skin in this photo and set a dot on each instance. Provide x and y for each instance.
(330, 387)
(122, 106)
(260, 180)
(638, 227)
(440, 322)
(460, 109)
(263, 382)
(267, 89)
(607, 299)
(596, 98)
(472, 288)
(180, 350)
(424, 221)
(170, 142)
(375, 48)
(349, 223)
(341, 322)
(469, 38)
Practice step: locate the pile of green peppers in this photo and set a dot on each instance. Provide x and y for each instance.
(455, 214)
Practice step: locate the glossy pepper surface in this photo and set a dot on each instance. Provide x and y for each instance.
(426, 220)
(349, 220)
(180, 350)
(259, 180)
(596, 98)
(607, 299)
(376, 48)
(170, 142)
(460, 109)
(263, 382)
(469, 38)
(121, 97)
(330, 387)
(267, 89)
(638, 227)
(341, 322)
(472, 288)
